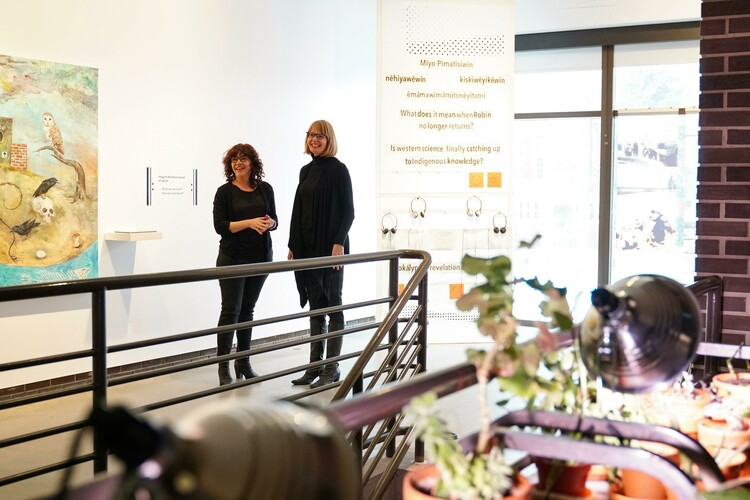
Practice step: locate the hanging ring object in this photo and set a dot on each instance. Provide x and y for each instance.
(392, 223)
(473, 206)
(497, 228)
(418, 207)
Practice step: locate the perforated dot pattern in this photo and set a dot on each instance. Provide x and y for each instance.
(454, 30)
(467, 317)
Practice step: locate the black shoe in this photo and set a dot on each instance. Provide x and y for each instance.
(307, 378)
(326, 378)
(225, 377)
(242, 369)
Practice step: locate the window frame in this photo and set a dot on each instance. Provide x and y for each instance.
(607, 39)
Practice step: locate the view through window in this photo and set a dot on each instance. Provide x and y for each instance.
(557, 167)
(655, 160)
(556, 164)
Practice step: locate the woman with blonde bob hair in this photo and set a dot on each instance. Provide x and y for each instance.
(322, 215)
(325, 129)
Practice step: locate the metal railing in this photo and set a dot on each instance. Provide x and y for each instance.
(401, 340)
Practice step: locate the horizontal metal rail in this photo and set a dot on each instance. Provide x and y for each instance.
(59, 288)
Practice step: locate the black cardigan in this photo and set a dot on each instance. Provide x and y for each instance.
(224, 214)
(332, 210)
(332, 217)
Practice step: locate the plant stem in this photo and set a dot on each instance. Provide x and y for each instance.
(730, 366)
(483, 375)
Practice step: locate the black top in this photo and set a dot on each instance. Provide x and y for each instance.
(323, 209)
(233, 204)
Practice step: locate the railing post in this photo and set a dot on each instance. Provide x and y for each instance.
(358, 438)
(422, 301)
(392, 337)
(714, 308)
(99, 371)
(422, 355)
(393, 292)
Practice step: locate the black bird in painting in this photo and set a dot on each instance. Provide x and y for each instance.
(45, 186)
(25, 228)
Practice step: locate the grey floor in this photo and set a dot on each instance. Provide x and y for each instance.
(459, 410)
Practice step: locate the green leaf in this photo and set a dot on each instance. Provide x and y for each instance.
(531, 243)
(493, 269)
(519, 384)
(563, 320)
(735, 494)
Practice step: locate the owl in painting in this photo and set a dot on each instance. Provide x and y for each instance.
(52, 131)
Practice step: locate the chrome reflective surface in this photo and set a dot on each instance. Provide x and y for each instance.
(640, 332)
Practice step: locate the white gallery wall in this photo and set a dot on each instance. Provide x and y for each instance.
(180, 81)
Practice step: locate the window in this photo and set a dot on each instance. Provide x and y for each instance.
(655, 160)
(557, 167)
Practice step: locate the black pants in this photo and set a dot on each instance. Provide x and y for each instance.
(324, 289)
(238, 299)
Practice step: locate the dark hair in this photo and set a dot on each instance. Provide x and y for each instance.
(256, 166)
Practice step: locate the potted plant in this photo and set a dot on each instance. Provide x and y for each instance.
(483, 473)
(637, 484)
(732, 383)
(454, 474)
(680, 406)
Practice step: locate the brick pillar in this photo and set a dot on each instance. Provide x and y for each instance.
(723, 243)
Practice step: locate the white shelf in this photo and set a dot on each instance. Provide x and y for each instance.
(132, 235)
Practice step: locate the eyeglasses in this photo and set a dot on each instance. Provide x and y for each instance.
(319, 137)
(243, 159)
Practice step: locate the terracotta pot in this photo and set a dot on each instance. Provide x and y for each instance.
(427, 475)
(714, 434)
(680, 411)
(568, 479)
(732, 469)
(637, 484)
(736, 385)
(616, 493)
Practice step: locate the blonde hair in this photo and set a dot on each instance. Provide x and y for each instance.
(325, 128)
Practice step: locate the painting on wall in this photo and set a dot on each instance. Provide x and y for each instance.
(48, 171)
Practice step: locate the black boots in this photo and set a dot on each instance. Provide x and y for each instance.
(225, 378)
(331, 373)
(329, 376)
(242, 368)
(308, 378)
(316, 353)
(223, 346)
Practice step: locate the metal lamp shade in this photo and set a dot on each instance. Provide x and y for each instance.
(640, 332)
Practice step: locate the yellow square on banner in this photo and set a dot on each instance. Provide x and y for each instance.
(400, 288)
(456, 290)
(476, 179)
(494, 179)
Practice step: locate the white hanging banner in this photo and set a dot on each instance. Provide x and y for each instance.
(445, 95)
(445, 116)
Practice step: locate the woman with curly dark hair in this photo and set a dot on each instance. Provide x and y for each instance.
(244, 213)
